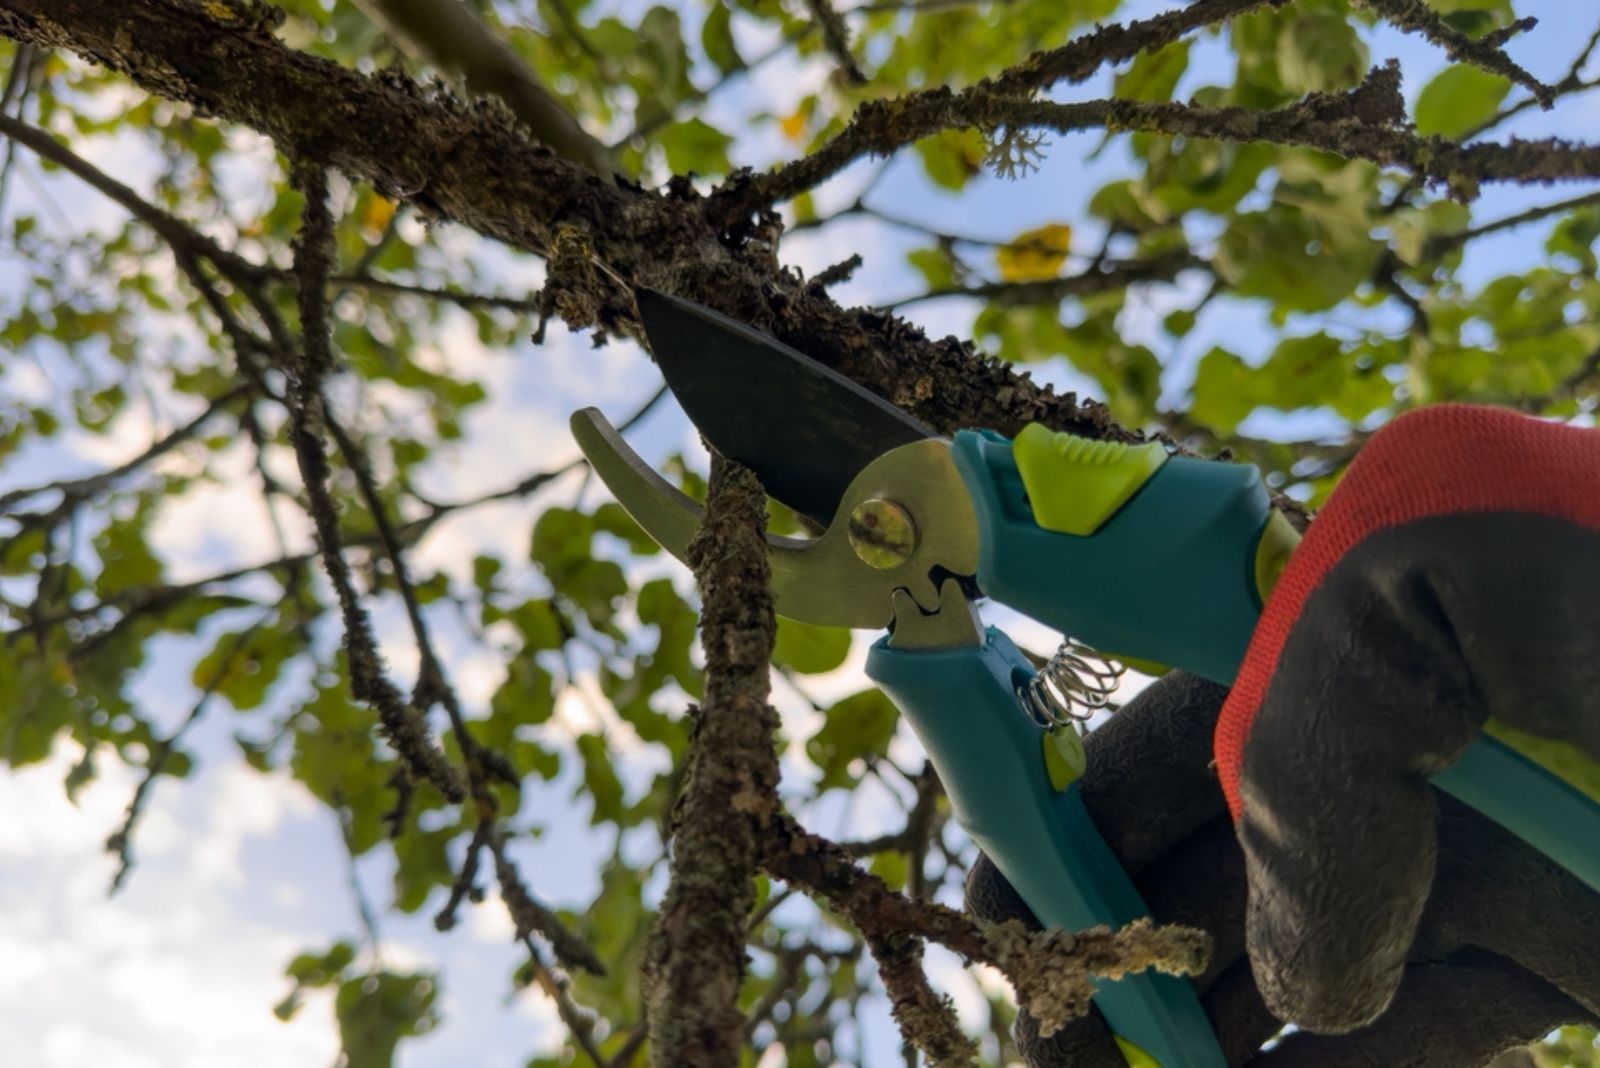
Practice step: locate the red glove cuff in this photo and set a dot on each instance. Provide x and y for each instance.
(1434, 461)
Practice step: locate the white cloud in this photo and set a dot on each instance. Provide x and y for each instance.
(223, 524)
(243, 805)
(488, 921)
(174, 972)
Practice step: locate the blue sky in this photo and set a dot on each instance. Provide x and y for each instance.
(238, 871)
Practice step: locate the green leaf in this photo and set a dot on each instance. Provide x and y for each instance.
(1412, 228)
(313, 970)
(333, 755)
(126, 561)
(935, 266)
(242, 666)
(1320, 53)
(857, 727)
(716, 37)
(1179, 323)
(526, 698)
(1118, 202)
(613, 519)
(540, 625)
(952, 158)
(560, 537)
(1221, 389)
(376, 1012)
(695, 147)
(484, 571)
(1471, 23)
(595, 586)
(1458, 99)
(1154, 75)
(1303, 372)
(24, 553)
(891, 867)
(1294, 259)
(600, 781)
(422, 863)
(1575, 236)
(808, 649)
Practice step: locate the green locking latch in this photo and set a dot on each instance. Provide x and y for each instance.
(1075, 484)
(1064, 758)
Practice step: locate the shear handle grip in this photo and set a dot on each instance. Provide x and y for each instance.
(1169, 576)
(962, 703)
(1174, 575)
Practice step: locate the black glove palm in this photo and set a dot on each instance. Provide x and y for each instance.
(1504, 953)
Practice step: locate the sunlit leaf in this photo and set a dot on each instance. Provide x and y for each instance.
(1034, 254)
(1458, 99)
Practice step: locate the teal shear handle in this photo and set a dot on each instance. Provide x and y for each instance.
(1165, 559)
(962, 703)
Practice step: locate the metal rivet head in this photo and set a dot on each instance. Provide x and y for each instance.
(882, 533)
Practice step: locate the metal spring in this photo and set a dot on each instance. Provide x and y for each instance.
(1076, 683)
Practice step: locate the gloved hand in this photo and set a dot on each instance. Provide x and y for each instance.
(1453, 576)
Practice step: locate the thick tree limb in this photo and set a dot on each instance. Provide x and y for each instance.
(479, 170)
(450, 35)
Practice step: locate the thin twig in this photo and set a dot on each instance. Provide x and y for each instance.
(121, 843)
(364, 910)
(1486, 52)
(836, 37)
(1446, 242)
(75, 489)
(402, 724)
(1114, 274)
(1366, 123)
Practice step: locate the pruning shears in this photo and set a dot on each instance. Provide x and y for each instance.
(1151, 558)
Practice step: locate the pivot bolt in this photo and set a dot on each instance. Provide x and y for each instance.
(882, 533)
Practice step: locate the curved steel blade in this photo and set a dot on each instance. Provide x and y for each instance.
(803, 428)
(819, 580)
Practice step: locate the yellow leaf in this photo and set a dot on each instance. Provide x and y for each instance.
(379, 211)
(794, 126)
(1035, 255)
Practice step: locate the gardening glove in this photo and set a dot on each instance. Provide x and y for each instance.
(1453, 576)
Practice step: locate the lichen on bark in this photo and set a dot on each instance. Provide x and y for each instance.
(695, 961)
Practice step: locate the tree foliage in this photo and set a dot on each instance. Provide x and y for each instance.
(1243, 236)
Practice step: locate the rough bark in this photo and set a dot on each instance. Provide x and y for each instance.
(696, 959)
(473, 165)
(448, 34)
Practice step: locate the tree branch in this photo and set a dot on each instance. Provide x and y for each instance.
(836, 36)
(480, 171)
(451, 36)
(121, 842)
(695, 960)
(1111, 274)
(1081, 57)
(402, 724)
(1446, 242)
(1486, 53)
(1050, 969)
(75, 489)
(1368, 123)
